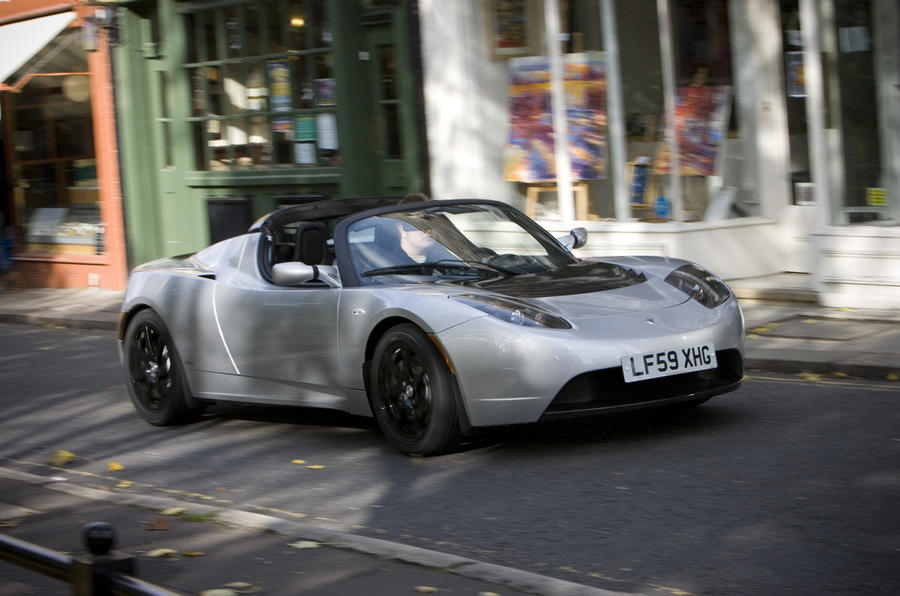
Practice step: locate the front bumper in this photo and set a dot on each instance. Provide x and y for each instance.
(517, 375)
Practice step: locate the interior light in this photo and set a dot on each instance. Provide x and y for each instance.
(298, 22)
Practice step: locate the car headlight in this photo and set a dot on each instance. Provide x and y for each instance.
(513, 311)
(700, 284)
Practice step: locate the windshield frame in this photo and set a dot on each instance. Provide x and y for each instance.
(352, 278)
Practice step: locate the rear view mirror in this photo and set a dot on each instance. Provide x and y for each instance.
(576, 238)
(297, 274)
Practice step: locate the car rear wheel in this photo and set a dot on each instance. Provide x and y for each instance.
(154, 374)
(412, 393)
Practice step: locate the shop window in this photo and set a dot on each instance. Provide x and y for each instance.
(262, 86)
(858, 69)
(52, 166)
(704, 127)
(530, 155)
(795, 99)
(709, 149)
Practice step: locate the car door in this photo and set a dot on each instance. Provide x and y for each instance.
(282, 341)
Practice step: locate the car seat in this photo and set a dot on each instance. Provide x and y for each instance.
(311, 244)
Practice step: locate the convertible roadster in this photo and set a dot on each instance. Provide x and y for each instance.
(437, 318)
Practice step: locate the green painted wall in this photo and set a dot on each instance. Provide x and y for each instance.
(166, 196)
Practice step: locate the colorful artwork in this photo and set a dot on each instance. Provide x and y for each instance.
(796, 81)
(509, 26)
(529, 154)
(701, 121)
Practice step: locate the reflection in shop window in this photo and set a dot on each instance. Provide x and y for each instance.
(709, 147)
(263, 88)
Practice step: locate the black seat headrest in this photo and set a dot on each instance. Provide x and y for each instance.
(310, 245)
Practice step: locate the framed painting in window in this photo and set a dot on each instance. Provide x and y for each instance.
(511, 28)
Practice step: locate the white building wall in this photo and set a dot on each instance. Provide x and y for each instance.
(465, 102)
(858, 267)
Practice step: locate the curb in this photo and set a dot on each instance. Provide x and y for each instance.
(865, 372)
(107, 321)
(470, 568)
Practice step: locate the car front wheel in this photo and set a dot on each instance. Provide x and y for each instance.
(153, 372)
(413, 393)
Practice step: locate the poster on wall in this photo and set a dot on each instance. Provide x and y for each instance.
(510, 24)
(701, 122)
(796, 83)
(280, 95)
(529, 154)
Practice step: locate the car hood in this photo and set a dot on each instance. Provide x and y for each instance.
(588, 289)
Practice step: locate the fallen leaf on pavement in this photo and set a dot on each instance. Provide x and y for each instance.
(174, 511)
(160, 524)
(193, 553)
(61, 457)
(218, 592)
(810, 377)
(427, 589)
(163, 553)
(316, 467)
(124, 484)
(305, 544)
(299, 461)
(242, 587)
(114, 466)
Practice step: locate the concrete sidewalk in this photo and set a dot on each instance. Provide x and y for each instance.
(191, 548)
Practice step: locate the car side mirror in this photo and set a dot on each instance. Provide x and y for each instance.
(576, 238)
(297, 274)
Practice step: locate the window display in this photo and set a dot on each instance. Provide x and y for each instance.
(55, 192)
(862, 193)
(262, 86)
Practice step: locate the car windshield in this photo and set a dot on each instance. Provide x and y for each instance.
(450, 241)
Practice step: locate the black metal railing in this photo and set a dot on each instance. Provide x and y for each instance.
(101, 572)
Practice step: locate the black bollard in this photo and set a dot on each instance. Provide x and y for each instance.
(93, 574)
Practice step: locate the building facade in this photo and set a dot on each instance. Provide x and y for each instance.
(786, 143)
(229, 109)
(61, 210)
(753, 136)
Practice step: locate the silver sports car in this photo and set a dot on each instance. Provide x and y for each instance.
(437, 318)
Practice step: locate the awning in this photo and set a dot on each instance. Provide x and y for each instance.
(24, 39)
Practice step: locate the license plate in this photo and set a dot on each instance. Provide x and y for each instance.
(665, 363)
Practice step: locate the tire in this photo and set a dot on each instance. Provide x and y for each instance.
(154, 374)
(412, 393)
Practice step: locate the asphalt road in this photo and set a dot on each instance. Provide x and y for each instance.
(788, 486)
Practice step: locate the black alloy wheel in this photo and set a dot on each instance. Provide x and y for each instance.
(154, 374)
(413, 395)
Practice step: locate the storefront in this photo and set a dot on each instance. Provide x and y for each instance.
(62, 211)
(785, 127)
(231, 108)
